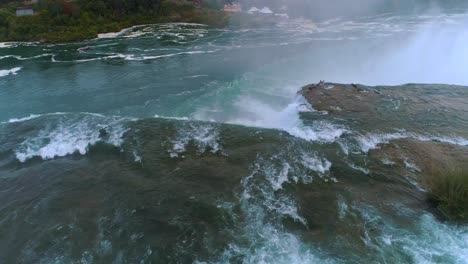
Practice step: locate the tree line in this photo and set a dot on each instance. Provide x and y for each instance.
(62, 20)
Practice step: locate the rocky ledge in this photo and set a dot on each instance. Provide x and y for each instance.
(438, 169)
(336, 98)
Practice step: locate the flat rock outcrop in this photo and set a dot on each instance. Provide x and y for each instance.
(340, 98)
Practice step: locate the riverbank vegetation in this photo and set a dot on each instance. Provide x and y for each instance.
(65, 20)
(449, 190)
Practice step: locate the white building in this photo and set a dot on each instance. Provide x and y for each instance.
(265, 11)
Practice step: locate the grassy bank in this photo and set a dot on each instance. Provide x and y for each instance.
(449, 190)
(80, 20)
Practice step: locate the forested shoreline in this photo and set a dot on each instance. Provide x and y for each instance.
(64, 21)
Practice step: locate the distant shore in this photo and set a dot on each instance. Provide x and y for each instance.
(86, 23)
(82, 20)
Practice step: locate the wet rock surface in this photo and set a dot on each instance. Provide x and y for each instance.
(415, 137)
(418, 108)
(341, 98)
(420, 156)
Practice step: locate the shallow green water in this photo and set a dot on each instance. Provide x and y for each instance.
(179, 143)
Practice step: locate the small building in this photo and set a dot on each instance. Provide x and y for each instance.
(234, 8)
(253, 10)
(266, 11)
(263, 11)
(24, 11)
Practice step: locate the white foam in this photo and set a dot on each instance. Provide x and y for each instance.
(7, 44)
(411, 166)
(277, 179)
(388, 162)
(113, 56)
(342, 207)
(113, 34)
(16, 120)
(358, 168)
(13, 71)
(455, 140)
(136, 157)
(184, 118)
(9, 56)
(132, 57)
(287, 119)
(195, 76)
(69, 138)
(122, 33)
(324, 132)
(62, 142)
(316, 164)
(272, 246)
(436, 239)
(26, 58)
(372, 141)
(425, 241)
(275, 176)
(204, 136)
(34, 116)
(262, 237)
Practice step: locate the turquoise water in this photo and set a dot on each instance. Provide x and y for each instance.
(178, 143)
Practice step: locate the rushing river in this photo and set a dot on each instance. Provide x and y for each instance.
(177, 143)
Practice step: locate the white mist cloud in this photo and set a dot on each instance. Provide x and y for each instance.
(429, 48)
(436, 54)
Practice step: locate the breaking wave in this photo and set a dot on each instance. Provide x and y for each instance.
(204, 136)
(288, 119)
(13, 71)
(263, 200)
(70, 135)
(430, 241)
